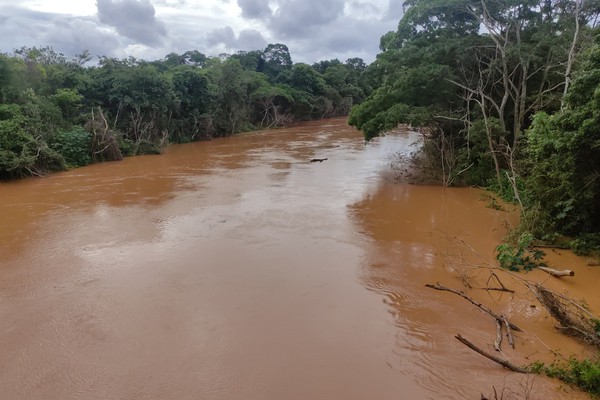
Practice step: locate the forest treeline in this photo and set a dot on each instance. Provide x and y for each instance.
(506, 95)
(58, 112)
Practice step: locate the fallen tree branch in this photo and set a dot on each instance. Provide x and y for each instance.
(502, 288)
(476, 304)
(574, 319)
(498, 341)
(505, 363)
(318, 159)
(511, 339)
(557, 273)
(498, 289)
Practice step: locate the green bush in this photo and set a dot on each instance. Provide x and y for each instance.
(22, 154)
(74, 146)
(520, 256)
(586, 244)
(584, 374)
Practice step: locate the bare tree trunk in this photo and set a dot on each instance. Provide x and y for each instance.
(572, 51)
(490, 138)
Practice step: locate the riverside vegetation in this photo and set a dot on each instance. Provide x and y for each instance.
(57, 112)
(505, 94)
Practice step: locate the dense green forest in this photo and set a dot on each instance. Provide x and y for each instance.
(506, 95)
(57, 112)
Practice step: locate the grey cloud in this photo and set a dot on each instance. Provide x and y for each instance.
(249, 39)
(296, 18)
(66, 34)
(224, 36)
(312, 29)
(169, 2)
(395, 10)
(73, 35)
(134, 19)
(363, 7)
(337, 40)
(255, 9)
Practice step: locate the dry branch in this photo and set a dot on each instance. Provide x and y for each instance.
(574, 319)
(557, 273)
(502, 288)
(499, 289)
(498, 341)
(104, 145)
(505, 363)
(476, 304)
(511, 339)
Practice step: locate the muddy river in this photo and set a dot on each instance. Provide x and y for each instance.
(238, 269)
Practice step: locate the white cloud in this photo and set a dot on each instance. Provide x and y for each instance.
(312, 29)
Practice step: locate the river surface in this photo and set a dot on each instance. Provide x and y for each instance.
(238, 269)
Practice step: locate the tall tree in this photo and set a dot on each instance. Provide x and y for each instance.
(505, 60)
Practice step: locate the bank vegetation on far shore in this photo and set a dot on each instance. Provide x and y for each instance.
(58, 112)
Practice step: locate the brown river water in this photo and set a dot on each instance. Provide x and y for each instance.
(238, 269)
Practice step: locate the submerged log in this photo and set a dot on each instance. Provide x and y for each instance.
(318, 159)
(557, 273)
(505, 363)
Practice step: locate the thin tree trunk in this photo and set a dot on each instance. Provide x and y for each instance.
(572, 51)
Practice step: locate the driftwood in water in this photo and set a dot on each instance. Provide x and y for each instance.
(509, 335)
(318, 159)
(557, 273)
(502, 288)
(498, 341)
(478, 305)
(505, 363)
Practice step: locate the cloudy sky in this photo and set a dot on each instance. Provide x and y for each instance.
(150, 29)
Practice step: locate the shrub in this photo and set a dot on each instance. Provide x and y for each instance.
(74, 146)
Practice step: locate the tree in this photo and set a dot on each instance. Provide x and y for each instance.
(233, 85)
(505, 60)
(273, 104)
(250, 60)
(22, 152)
(191, 88)
(564, 158)
(5, 78)
(275, 60)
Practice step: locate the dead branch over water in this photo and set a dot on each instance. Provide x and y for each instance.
(475, 303)
(505, 363)
(573, 318)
